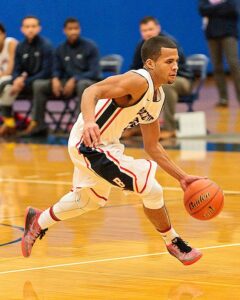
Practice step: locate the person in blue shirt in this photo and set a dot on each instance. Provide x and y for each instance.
(75, 67)
(33, 62)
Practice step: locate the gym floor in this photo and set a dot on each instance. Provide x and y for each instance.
(114, 253)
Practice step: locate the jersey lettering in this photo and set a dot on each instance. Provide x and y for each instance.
(119, 182)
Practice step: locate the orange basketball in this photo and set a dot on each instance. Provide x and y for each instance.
(203, 199)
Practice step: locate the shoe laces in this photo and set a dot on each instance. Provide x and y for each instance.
(34, 234)
(42, 233)
(181, 245)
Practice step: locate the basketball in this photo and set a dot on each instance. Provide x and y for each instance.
(203, 199)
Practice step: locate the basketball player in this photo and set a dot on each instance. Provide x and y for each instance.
(108, 107)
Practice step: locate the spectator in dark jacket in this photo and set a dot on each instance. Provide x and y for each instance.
(150, 27)
(220, 22)
(76, 66)
(33, 62)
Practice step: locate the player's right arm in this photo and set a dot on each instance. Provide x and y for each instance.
(151, 134)
(129, 85)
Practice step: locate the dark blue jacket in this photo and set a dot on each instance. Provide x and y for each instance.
(34, 58)
(223, 18)
(79, 60)
(183, 70)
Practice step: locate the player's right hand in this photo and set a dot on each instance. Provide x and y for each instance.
(91, 134)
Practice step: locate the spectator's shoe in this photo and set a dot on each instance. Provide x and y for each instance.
(222, 103)
(32, 230)
(34, 131)
(183, 252)
(8, 127)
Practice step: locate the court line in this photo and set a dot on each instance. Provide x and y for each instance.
(155, 278)
(55, 182)
(63, 174)
(13, 241)
(106, 260)
(31, 176)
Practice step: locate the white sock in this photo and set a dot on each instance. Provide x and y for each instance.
(169, 235)
(45, 220)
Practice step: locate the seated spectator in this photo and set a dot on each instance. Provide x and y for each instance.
(76, 66)
(7, 53)
(150, 27)
(33, 62)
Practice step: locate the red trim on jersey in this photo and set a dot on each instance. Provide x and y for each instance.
(98, 195)
(102, 108)
(53, 216)
(111, 120)
(98, 113)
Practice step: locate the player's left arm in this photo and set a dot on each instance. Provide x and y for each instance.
(151, 134)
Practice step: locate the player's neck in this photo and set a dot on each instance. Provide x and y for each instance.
(156, 83)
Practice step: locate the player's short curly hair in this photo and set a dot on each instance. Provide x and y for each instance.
(2, 28)
(152, 47)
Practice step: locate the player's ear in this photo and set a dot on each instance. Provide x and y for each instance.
(150, 64)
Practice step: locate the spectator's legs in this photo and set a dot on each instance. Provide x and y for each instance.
(230, 45)
(216, 53)
(81, 86)
(41, 92)
(6, 104)
(180, 87)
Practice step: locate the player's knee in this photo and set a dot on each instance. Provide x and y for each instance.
(154, 199)
(85, 202)
(78, 200)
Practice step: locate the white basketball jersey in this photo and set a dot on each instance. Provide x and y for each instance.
(112, 119)
(4, 54)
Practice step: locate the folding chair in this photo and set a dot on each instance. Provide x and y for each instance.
(197, 63)
(111, 64)
(56, 118)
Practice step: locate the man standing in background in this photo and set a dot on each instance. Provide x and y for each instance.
(150, 27)
(220, 19)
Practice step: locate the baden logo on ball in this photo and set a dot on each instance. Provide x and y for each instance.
(203, 199)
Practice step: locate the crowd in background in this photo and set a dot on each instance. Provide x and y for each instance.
(33, 69)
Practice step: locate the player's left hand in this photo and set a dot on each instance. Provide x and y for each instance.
(69, 87)
(91, 134)
(184, 182)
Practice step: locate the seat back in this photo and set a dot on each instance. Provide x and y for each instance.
(197, 63)
(111, 64)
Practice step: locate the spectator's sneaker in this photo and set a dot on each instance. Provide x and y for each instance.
(31, 230)
(8, 127)
(222, 103)
(183, 252)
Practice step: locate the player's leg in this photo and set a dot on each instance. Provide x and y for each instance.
(156, 212)
(74, 203)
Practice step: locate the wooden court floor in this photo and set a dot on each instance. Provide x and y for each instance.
(114, 253)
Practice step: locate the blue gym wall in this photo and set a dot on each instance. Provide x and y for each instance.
(112, 24)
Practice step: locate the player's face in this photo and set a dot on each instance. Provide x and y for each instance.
(30, 28)
(165, 68)
(149, 30)
(72, 31)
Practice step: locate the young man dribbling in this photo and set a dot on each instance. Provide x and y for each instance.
(108, 107)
